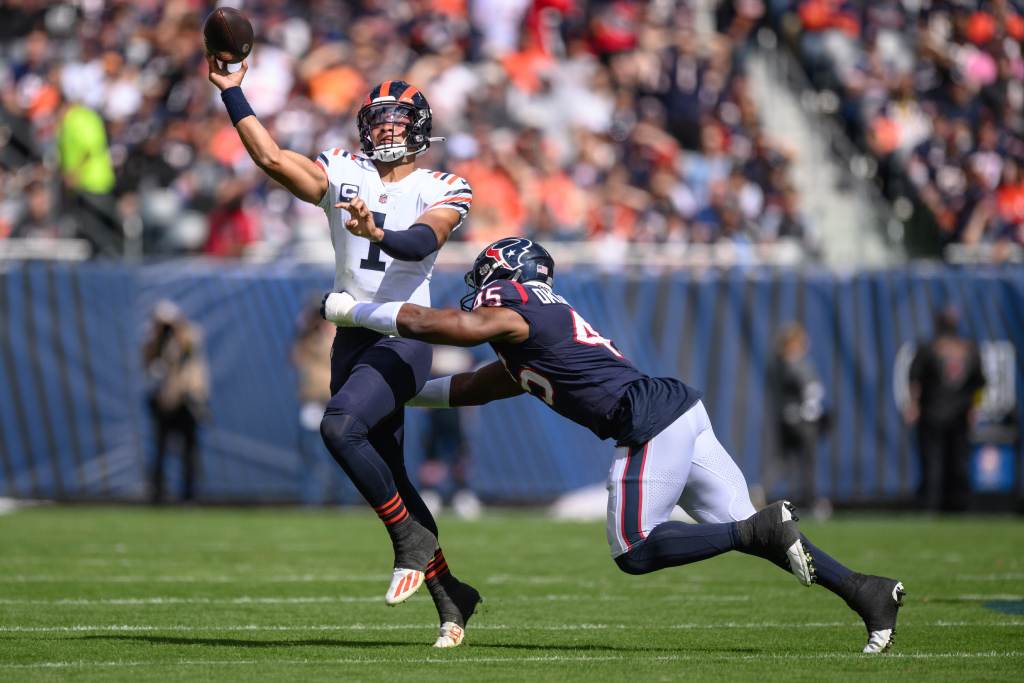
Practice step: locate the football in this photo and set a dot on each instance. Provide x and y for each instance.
(228, 35)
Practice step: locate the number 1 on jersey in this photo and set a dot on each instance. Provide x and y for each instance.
(372, 260)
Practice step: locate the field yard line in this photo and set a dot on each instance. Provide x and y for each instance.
(680, 593)
(182, 578)
(543, 659)
(79, 628)
(366, 599)
(276, 600)
(244, 600)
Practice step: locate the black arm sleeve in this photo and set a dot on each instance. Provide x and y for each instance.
(413, 244)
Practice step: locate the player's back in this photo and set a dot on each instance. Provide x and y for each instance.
(567, 364)
(361, 268)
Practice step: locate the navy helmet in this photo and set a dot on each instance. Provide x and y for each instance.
(510, 258)
(395, 102)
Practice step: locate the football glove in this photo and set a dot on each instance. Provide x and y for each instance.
(336, 307)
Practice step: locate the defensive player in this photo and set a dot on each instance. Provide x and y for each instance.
(387, 219)
(668, 451)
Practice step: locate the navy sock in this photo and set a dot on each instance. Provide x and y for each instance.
(830, 572)
(672, 544)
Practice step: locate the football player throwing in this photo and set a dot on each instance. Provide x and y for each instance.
(387, 218)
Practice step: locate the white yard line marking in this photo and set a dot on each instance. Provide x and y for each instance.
(366, 599)
(243, 600)
(684, 592)
(184, 578)
(326, 599)
(128, 628)
(542, 659)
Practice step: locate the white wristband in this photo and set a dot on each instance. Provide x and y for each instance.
(436, 393)
(381, 318)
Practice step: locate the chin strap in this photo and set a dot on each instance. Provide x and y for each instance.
(374, 154)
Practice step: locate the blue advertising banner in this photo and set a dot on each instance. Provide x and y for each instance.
(73, 423)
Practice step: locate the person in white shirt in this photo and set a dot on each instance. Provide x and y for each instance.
(388, 218)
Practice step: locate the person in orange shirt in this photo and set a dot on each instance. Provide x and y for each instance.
(1010, 195)
(497, 206)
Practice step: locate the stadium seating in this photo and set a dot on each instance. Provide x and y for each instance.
(620, 121)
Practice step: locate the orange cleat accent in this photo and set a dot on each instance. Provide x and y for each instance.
(404, 584)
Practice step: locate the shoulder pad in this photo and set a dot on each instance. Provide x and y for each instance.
(502, 293)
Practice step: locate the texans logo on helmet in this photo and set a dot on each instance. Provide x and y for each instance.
(505, 255)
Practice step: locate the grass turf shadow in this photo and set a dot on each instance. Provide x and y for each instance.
(333, 642)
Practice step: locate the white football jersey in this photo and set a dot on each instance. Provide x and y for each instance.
(361, 268)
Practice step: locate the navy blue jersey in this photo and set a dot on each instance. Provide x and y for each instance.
(567, 364)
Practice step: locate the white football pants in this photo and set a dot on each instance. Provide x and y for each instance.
(684, 464)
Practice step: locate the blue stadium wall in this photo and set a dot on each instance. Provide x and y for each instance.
(73, 423)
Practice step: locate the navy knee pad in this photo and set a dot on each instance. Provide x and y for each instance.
(341, 430)
(632, 565)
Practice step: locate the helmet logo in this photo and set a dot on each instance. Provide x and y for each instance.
(495, 254)
(513, 249)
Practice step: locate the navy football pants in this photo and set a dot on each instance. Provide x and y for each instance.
(372, 376)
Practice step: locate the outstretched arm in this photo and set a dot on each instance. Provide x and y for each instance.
(441, 326)
(490, 383)
(461, 328)
(434, 325)
(299, 175)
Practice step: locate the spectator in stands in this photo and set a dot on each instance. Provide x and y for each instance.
(89, 177)
(946, 380)
(232, 227)
(543, 99)
(178, 393)
(797, 398)
(933, 91)
(40, 215)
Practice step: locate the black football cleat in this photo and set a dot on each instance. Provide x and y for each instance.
(772, 533)
(877, 600)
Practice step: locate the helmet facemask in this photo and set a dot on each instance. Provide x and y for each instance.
(407, 136)
(511, 258)
(482, 275)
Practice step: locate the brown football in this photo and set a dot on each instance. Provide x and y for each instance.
(228, 35)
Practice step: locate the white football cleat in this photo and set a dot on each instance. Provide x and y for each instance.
(800, 562)
(879, 641)
(877, 600)
(404, 583)
(451, 635)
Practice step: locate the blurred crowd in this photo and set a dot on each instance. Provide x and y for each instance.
(935, 88)
(617, 120)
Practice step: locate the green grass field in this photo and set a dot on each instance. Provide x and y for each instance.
(281, 594)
